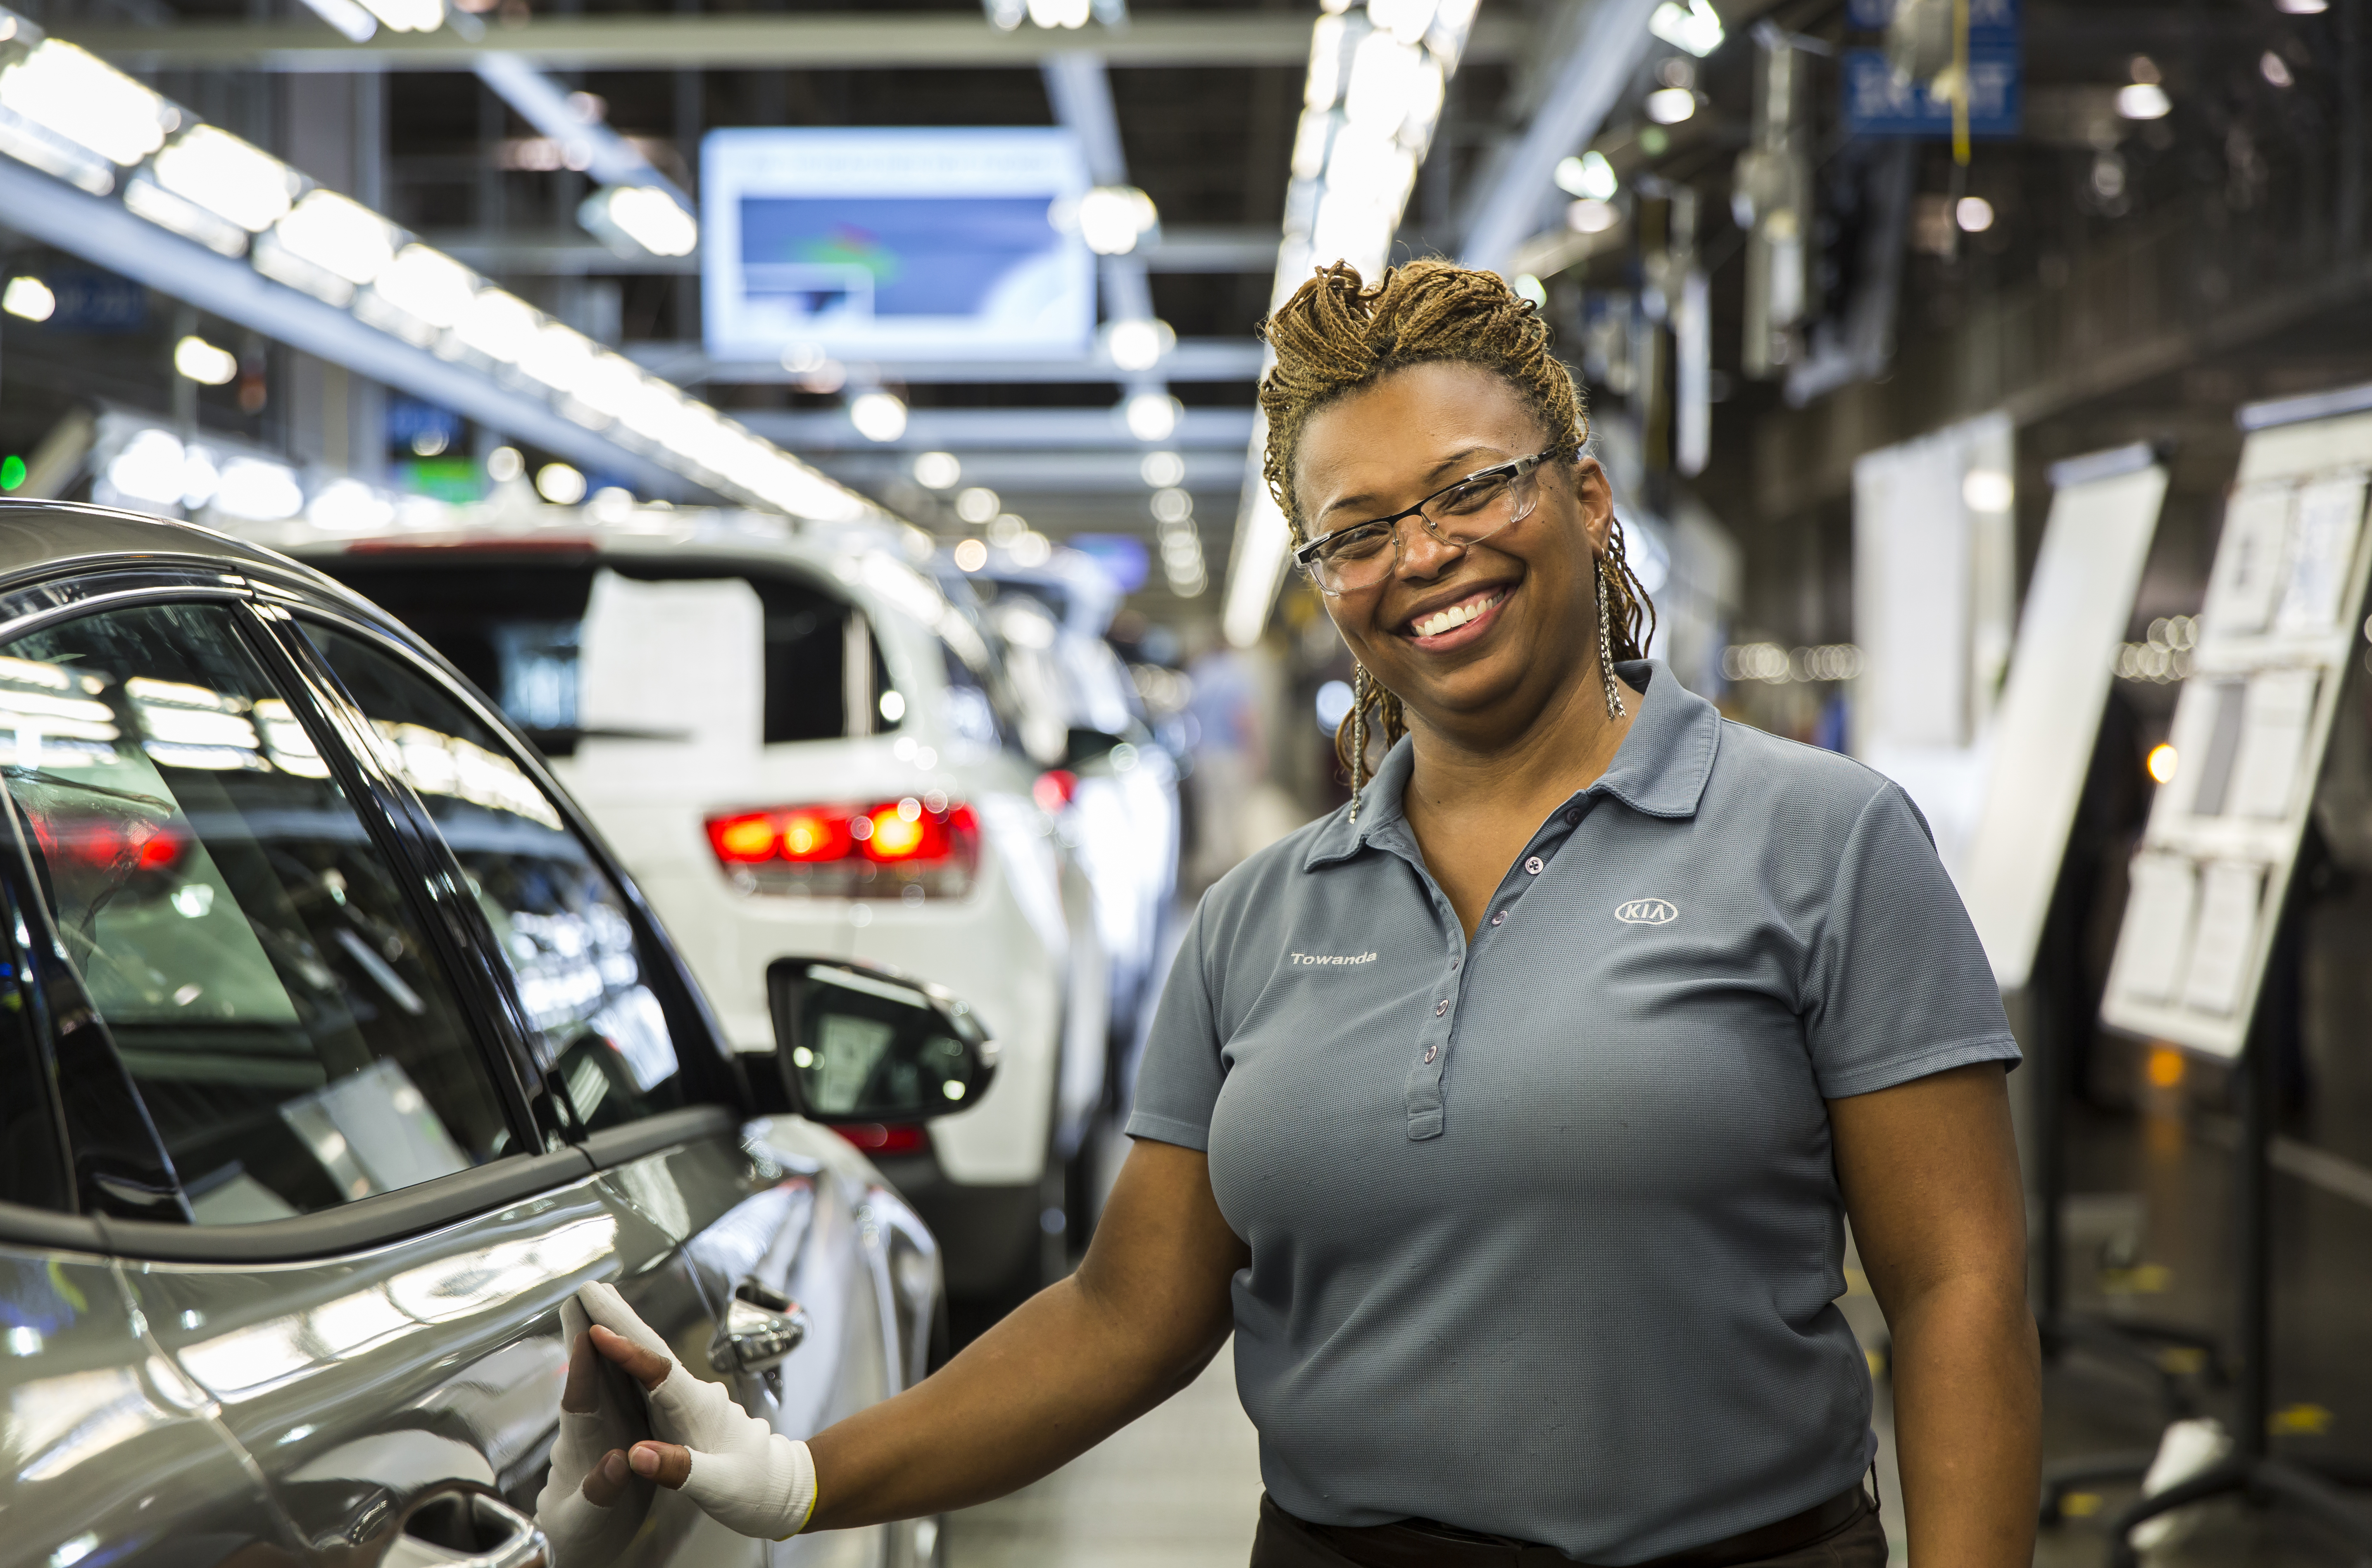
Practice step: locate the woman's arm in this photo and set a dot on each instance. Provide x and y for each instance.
(1929, 1170)
(1146, 1310)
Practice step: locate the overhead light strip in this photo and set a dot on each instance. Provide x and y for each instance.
(1370, 103)
(80, 120)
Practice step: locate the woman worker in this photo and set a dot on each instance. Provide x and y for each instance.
(1508, 1116)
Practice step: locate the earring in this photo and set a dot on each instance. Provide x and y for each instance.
(1362, 687)
(1614, 709)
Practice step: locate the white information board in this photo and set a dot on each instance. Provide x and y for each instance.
(2104, 511)
(2249, 728)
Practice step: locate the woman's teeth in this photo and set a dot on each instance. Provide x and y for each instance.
(1455, 616)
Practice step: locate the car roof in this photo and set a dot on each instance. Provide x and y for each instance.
(45, 536)
(42, 539)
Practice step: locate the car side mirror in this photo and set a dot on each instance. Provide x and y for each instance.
(860, 1044)
(1086, 746)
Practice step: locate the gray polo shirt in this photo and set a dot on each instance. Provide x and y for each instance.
(1545, 1234)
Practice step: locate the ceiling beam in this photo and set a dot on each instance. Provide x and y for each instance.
(1195, 359)
(1602, 40)
(743, 42)
(997, 429)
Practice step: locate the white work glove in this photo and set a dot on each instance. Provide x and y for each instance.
(584, 1533)
(747, 1476)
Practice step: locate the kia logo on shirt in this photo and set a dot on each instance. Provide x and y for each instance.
(1647, 911)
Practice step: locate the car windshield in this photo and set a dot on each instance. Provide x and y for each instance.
(526, 630)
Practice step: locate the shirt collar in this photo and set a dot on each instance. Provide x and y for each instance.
(1659, 770)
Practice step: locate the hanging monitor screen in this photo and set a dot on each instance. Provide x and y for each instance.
(893, 245)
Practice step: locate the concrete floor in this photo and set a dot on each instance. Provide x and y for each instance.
(1179, 1489)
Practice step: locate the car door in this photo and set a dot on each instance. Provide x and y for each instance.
(375, 1234)
(775, 1221)
(108, 1453)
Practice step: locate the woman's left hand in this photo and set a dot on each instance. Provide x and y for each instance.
(1929, 1170)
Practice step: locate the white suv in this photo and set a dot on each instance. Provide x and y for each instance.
(801, 746)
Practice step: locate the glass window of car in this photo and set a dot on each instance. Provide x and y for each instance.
(255, 957)
(560, 922)
(518, 633)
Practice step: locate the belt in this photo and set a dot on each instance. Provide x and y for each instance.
(1423, 1543)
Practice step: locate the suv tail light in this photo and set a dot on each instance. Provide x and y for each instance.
(913, 848)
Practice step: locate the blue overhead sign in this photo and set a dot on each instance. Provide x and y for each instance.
(1879, 103)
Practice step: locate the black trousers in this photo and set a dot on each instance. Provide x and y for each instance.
(1843, 1533)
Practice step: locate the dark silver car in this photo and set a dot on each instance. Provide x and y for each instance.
(335, 1052)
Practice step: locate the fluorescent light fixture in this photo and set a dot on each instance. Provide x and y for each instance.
(203, 363)
(878, 416)
(342, 238)
(347, 17)
(500, 326)
(1162, 469)
(560, 484)
(1112, 218)
(937, 470)
(79, 97)
(1693, 26)
(1151, 416)
(558, 356)
(1587, 176)
(1058, 13)
(1590, 215)
(29, 298)
(1404, 19)
(427, 284)
(632, 218)
(142, 195)
(1669, 105)
(348, 505)
(2143, 100)
(409, 15)
(2302, 7)
(1987, 489)
(228, 177)
(1138, 343)
(148, 468)
(610, 385)
(256, 491)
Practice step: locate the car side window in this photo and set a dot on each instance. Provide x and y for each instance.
(253, 955)
(560, 922)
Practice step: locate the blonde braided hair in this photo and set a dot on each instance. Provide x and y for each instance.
(1339, 334)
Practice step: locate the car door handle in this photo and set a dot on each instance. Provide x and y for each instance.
(761, 1327)
(468, 1529)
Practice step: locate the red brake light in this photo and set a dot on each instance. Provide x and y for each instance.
(99, 844)
(901, 1138)
(1055, 788)
(919, 843)
(744, 839)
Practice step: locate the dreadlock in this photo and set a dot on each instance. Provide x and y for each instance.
(1338, 334)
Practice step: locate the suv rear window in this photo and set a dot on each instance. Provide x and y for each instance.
(515, 627)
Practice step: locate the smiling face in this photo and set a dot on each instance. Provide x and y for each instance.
(1477, 641)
